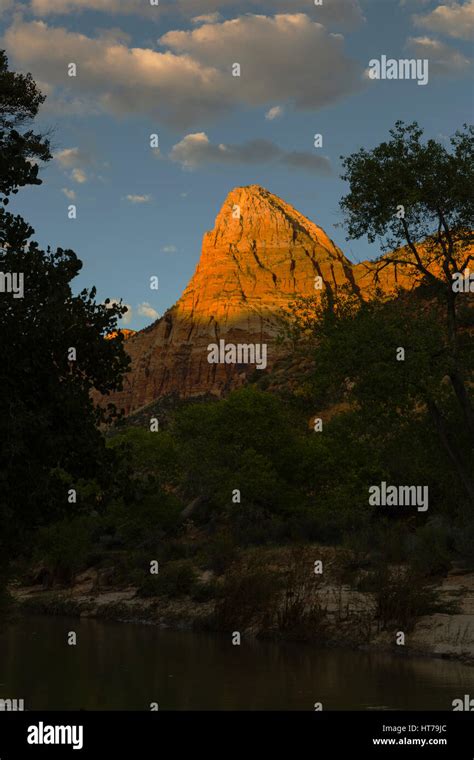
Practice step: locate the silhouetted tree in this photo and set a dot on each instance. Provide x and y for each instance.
(20, 148)
(53, 350)
(417, 198)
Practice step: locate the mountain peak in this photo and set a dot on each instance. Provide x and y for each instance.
(260, 255)
(253, 216)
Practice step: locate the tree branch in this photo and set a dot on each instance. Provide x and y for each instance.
(419, 264)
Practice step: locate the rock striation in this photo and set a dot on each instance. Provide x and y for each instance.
(261, 254)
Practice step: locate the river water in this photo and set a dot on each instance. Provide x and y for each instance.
(127, 666)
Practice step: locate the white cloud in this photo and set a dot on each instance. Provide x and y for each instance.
(274, 113)
(340, 12)
(207, 18)
(79, 176)
(169, 249)
(281, 57)
(196, 150)
(146, 310)
(75, 159)
(443, 59)
(69, 157)
(71, 194)
(139, 198)
(454, 20)
(191, 81)
(114, 78)
(45, 7)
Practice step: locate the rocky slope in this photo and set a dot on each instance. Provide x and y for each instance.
(261, 254)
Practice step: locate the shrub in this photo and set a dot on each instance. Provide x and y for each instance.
(301, 616)
(379, 540)
(253, 526)
(219, 553)
(152, 515)
(464, 544)
(175, 579)
(430, 552)
(64, 547)
(205, 592)
(250, 596)
(401, 596)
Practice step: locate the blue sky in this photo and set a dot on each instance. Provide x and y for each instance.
(143, 70)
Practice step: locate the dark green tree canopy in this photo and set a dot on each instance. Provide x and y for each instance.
(20, 147)
(53, 350)
(431, 183)
(417, 198)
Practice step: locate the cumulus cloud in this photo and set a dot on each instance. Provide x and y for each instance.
(443, 59)
(75, 159)
(274, 113)
(281, 58)
(340, 12)
(115, 78)
(196, 150)
(146, 310)
(139, 198)
(191, 81)
(72, 157)
(79, 176)
(71, 194)
(454, 20)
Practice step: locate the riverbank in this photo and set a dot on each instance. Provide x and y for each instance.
(323, 609)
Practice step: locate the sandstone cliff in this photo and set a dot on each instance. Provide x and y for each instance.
(259, 256)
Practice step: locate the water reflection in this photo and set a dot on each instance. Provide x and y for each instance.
(125, 666)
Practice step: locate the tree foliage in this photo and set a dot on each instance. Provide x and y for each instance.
(416, 197)
(20, 148)
(52, 346)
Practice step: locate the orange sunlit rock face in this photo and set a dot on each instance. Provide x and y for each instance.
(123, 330)
(259, 256)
